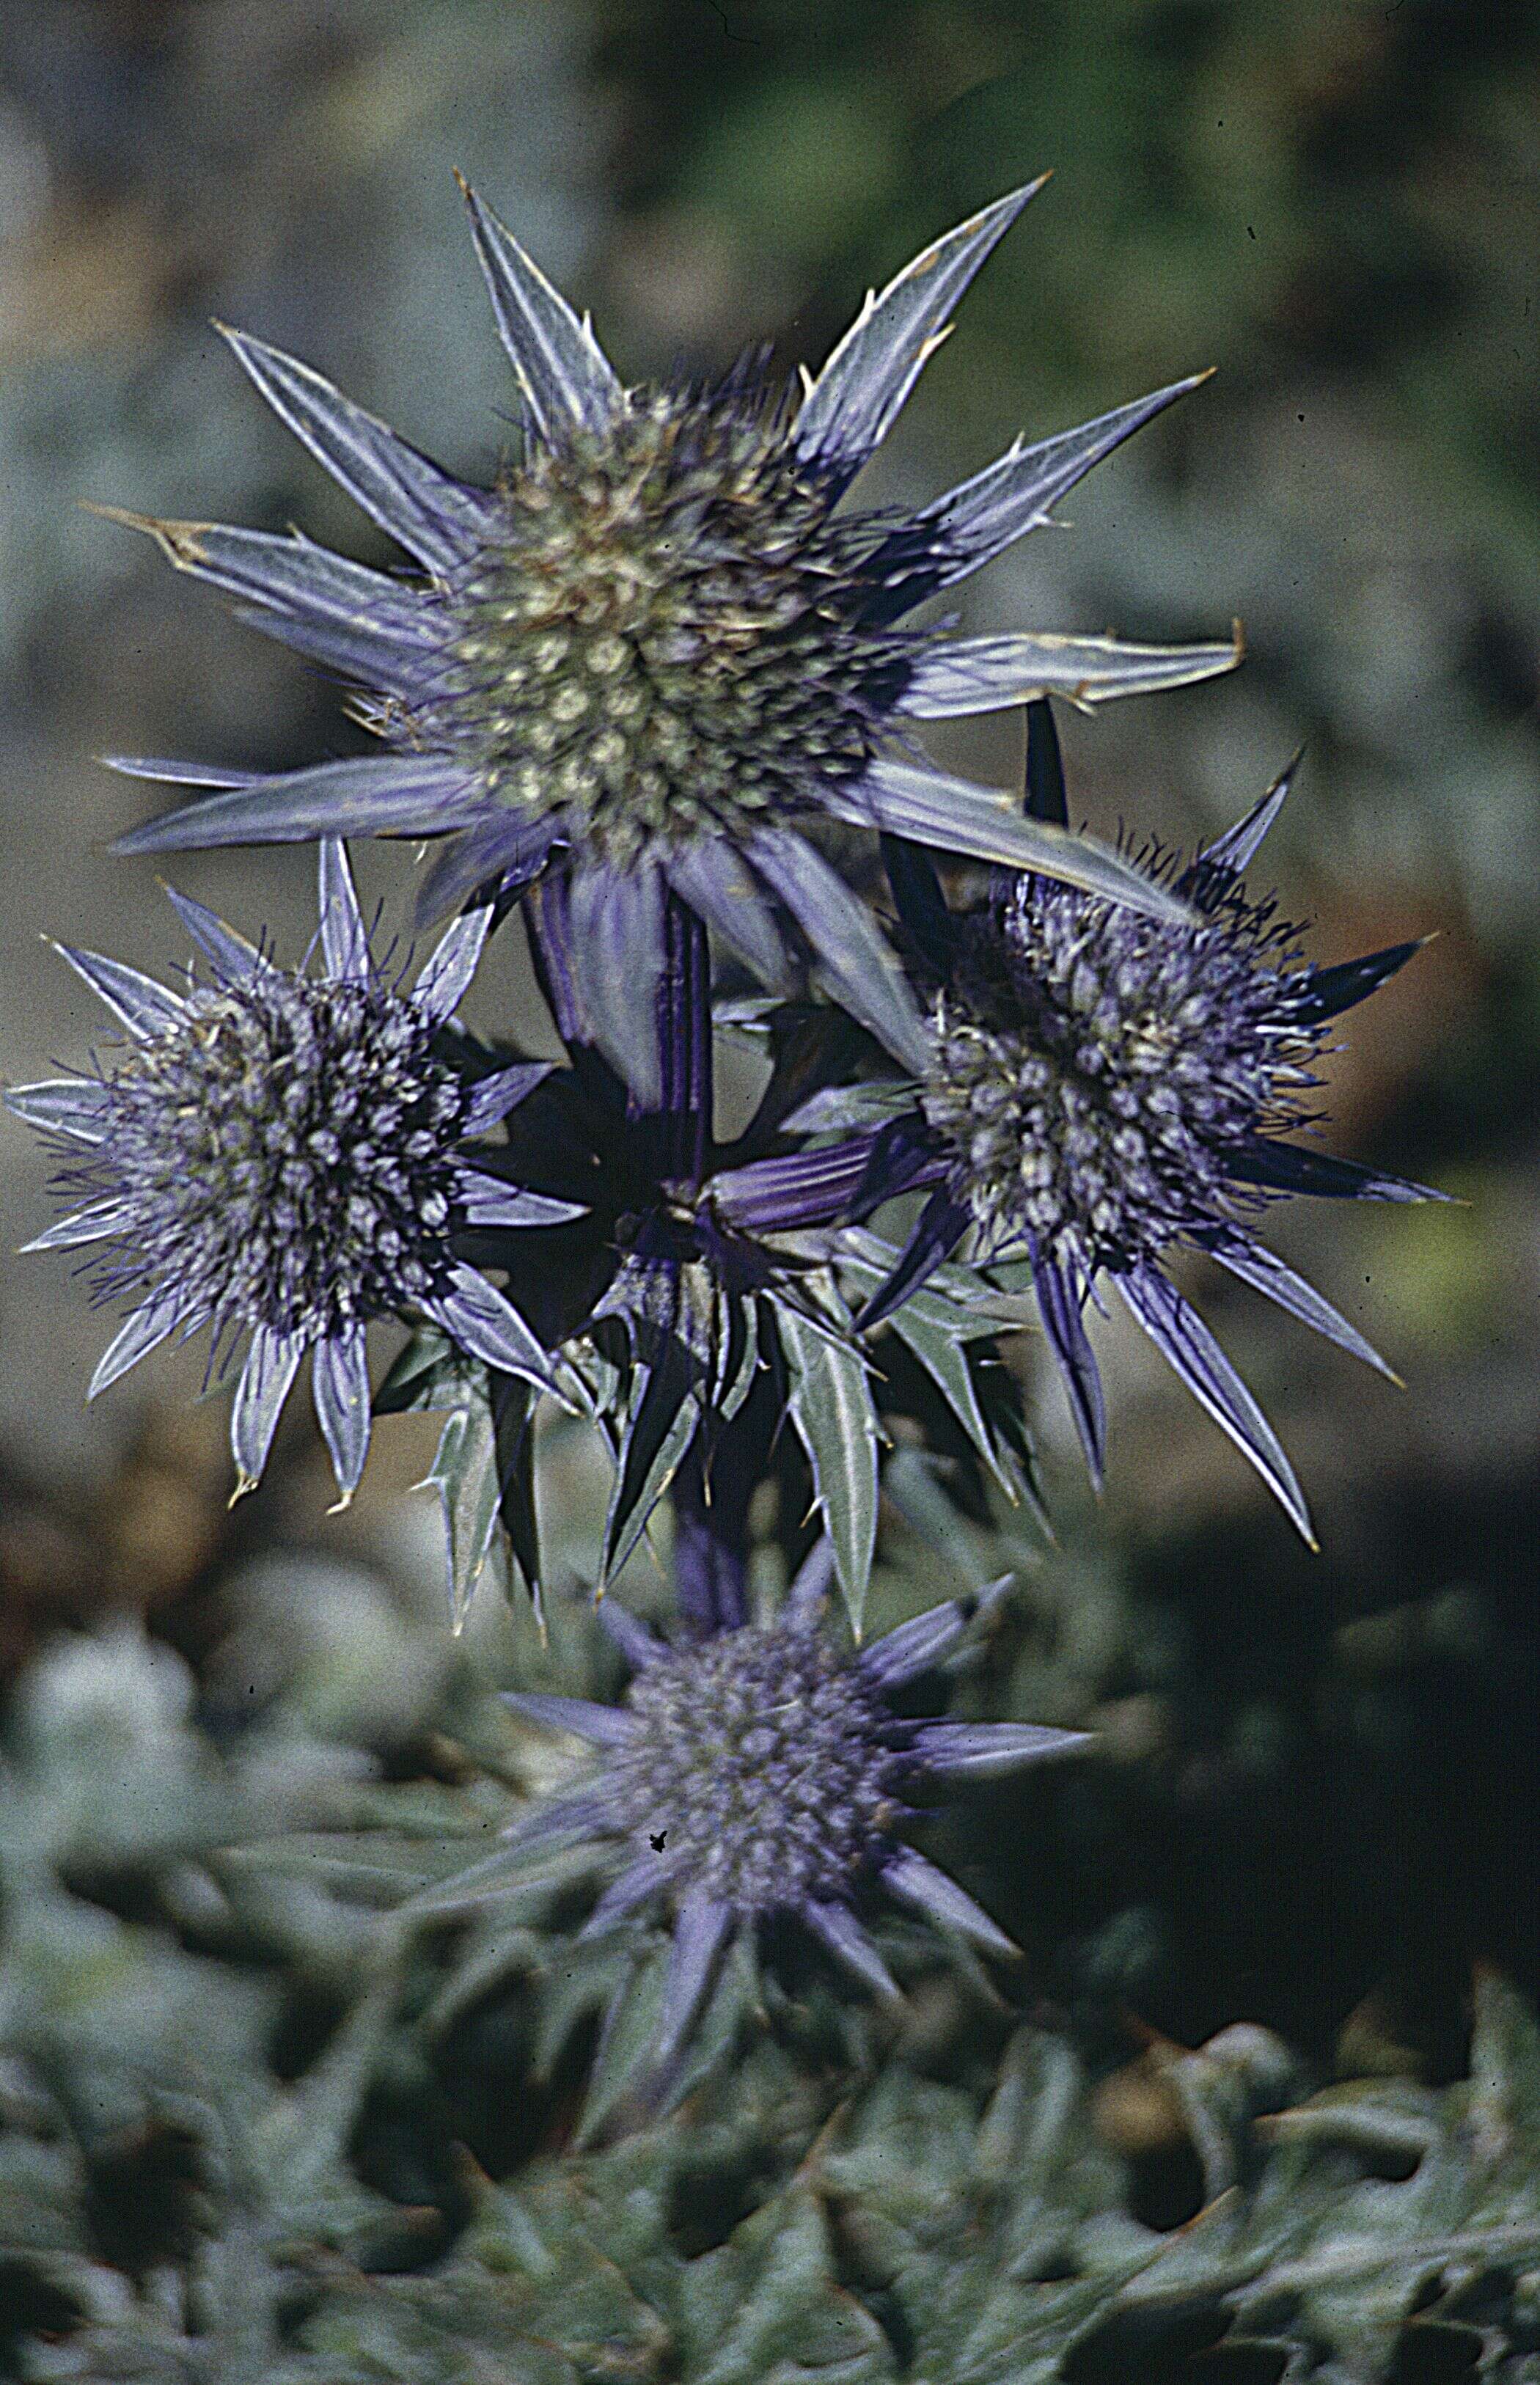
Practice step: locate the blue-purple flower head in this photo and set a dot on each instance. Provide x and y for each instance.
(278, 1156)
(762, 1774)
(655, 647)
(1094, 1072)
(1107, 1089)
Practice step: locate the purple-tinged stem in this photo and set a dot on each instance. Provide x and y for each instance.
(685, 1040)
(711, 1492)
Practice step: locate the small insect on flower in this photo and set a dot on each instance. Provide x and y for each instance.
(655, 651)
(761, 1774)
(1105, 1089)
(278, 1155)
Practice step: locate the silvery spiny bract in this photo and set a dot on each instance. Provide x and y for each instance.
(657, 649)
(761, 1774)
(278, 1155)
(1105, 1089)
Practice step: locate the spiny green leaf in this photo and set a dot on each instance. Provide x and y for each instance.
(829, 1399)
(514, 1403)
(625, 2041)
(464, 1474)
(577, 1981)
(739, 1354)
(796, 2323)
(947, 1358)
(661, 1418)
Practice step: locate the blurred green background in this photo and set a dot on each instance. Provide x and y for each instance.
(1319, 1805)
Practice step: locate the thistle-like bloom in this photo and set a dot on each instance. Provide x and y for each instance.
(280, 1154)
(655, 650)
(761, 1774)
(1105, 1091)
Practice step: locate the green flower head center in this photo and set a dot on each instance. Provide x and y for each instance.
(665, 641)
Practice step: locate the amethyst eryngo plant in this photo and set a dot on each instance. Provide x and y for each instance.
(658, 650)
(759, 1775)
(1105, 1091)
(625, 688)
(280, 1157)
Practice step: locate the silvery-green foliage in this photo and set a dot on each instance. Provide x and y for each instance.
(937, 2200)
(156, 2175)
(963, 2236)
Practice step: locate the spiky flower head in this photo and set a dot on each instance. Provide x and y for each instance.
(762, 1774)
(655, 647)
(278, 1154)
(1105, 1089)
(1089, 1067)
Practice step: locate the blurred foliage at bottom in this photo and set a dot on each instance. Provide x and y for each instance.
(277, 2104)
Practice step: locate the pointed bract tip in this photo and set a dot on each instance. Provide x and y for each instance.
(121, 514)
(994, 1593)
(1014, 200)
(234, 339)
(340, 1506)
(244, 1485)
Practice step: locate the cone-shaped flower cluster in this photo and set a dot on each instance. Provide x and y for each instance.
(655, 649)
(278, 1156)
(763, 1774)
